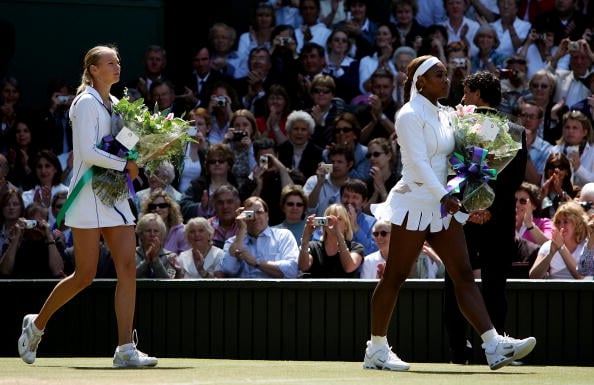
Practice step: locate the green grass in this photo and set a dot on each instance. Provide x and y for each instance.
(92, 371)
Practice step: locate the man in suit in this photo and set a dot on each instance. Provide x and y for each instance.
(490, 233)
(199, 83)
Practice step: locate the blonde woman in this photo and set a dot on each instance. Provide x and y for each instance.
(90, 219)
(160, 202)
(557, 258)
(202, 259)
(335, 255)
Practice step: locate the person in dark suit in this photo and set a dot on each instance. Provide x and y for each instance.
(490, 234)
(299, 154)
(201, 80)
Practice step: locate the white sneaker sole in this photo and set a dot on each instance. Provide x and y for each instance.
(518, 354)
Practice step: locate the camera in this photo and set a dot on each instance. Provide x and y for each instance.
(459, 62)
(63, 99)
(30, 223)
(238, 135)
(327, 168)
(221, 101)
(507, 73)
(249, 214)
(321, 221)
(573, 46)
(264, 162)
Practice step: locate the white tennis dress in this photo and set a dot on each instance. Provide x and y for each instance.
(426, 139)
(91, 121)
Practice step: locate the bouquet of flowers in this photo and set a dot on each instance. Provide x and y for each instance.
(484, 147)
(137, 134)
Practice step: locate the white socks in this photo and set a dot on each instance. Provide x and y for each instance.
(126, 347)
(489, 335)
(379, 340)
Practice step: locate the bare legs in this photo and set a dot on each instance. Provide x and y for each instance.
(122, 243)
(86, 251)
(405, 247)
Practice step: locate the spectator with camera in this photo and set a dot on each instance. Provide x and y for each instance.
(323, 188)
(32, 251)
(268, 178)
(570, 89)
(354, 195)
(258, 250)
(223, 102)
(538, 48)
(201, 80)
(55, 131)
(336, 255)
(458, 66)
(226, 203)
(242, 132)
(514, 84)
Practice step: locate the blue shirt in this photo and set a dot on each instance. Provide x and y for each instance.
(277, 246)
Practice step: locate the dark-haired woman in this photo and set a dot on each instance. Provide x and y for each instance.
(420, 210)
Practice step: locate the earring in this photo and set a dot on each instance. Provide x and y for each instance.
(420, 90)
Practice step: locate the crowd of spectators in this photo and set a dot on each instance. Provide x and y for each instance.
(293, 120)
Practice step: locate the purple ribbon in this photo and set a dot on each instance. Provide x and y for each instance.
(111, 145)
(475, 168)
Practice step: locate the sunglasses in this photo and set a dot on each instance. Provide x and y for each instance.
(153, 206)
(321, 91)
(382, 233)
(539, 85)
(374, 154)
(522, 201)
(216, 161)
(342, 130)
(516, 61)
(293, 204)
